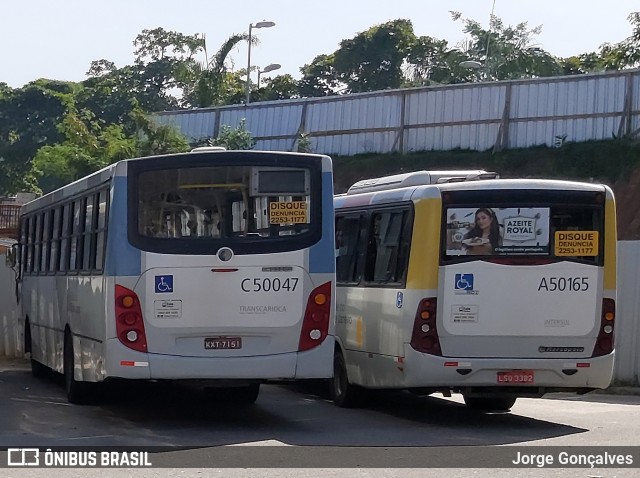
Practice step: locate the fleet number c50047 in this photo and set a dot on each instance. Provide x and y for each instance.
(268, 284)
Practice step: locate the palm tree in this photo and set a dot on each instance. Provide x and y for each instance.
(207, 83)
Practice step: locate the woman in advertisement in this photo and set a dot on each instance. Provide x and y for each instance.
(484, 237)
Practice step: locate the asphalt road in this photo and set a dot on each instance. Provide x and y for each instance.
(295, 426)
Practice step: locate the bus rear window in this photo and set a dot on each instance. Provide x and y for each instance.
(215, 202)
(562, 231)
(199, 209)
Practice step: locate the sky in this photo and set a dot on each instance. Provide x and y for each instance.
(58, 40)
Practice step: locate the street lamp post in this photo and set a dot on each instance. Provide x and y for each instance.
(267, 69)
(263, 24)
(476, 65)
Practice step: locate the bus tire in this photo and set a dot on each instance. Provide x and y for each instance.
(500, 403)
(345, 394)
(38, 370)
(77, 392)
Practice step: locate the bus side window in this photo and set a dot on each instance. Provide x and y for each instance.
(373, 244)
(387, 247)
(346, 248)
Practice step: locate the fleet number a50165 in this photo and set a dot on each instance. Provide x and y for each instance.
(268, 284)
(564, 284)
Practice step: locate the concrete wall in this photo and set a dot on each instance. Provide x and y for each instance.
(10, 344)
(627, 368)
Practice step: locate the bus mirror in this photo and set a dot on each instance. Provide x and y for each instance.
(10, 258)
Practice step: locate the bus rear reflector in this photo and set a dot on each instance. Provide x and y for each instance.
(129, 322)
(315, 326)
(604, 342)
(425, 335)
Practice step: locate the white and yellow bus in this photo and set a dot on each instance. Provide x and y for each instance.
(204, 265)
(492, 288)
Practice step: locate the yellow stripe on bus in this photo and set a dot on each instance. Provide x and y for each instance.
(425, 245)
(610, 244)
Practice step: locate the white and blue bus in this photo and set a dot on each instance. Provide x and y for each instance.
(456, 281)
(205, 265)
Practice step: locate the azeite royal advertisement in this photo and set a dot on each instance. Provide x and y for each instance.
(500, 231)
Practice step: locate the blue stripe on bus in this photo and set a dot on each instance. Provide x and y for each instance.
(322, 254)
(122, 258)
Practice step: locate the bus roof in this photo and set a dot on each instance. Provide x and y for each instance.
(416, 192)
(526, 183)
(419, 178)
(97, 178)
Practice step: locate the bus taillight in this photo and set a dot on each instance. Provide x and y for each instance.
(129, 323)
(315, 326)
(425, 334)
(604, 342)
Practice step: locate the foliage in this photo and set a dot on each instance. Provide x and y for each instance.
(373, 59)
(581, 64)
(57, 165)
(625, 54)
(210, 83)
(279, 87)
(319, 78)
(113, 93)
(157, 139)
(431, 61)
(507, 52)
(89, 146)
(303, 143)
(29, 119)
(234, 138)
(160, 54)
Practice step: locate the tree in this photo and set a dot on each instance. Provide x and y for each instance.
(319, 78)
(234, 138)
(281, 87)
(28, 120)
(89, 146)
(113, 92)
(583, 63)
(625, 54)
(507, 53)
(155, 139)
(210, 83)
(373, 59)
(57, 165)
(160, 56)
(431, 61)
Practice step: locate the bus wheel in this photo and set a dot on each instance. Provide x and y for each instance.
(38, 370)
(77, 392)
(490, 404)
(344, 394)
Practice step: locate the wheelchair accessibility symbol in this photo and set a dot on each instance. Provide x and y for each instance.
(464, 282)
(164, 284)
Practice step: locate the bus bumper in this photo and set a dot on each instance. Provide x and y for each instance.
(424, 370)
(122, 362)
